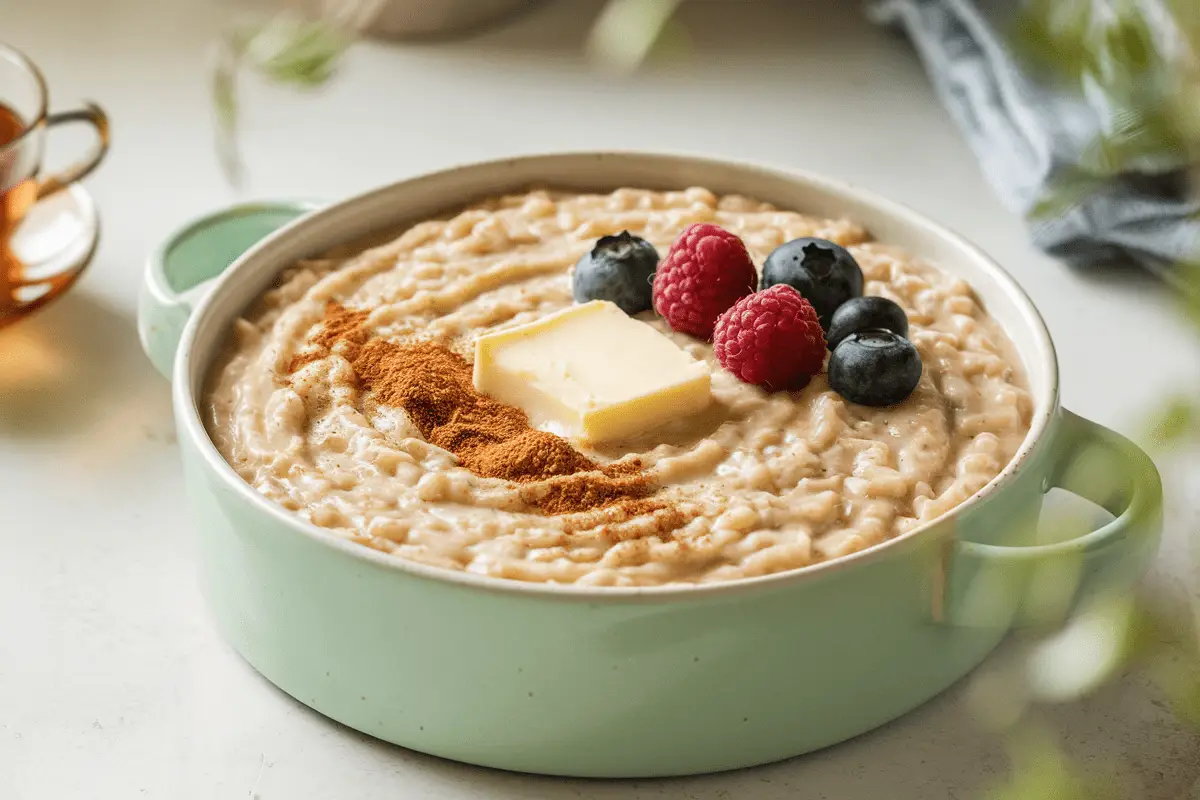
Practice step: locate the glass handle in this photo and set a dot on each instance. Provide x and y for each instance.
(94, 116)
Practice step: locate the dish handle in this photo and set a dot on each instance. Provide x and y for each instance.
(990, 585)
(182, 270)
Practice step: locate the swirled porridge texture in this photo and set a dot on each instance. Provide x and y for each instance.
(758, 484)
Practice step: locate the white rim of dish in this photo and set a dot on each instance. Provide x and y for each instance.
(193, 426)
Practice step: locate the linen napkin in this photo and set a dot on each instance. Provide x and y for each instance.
(1026, 133)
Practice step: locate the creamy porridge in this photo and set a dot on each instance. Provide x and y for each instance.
(758, 483)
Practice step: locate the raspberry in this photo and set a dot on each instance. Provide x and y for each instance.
(703, 274)
(772, 339)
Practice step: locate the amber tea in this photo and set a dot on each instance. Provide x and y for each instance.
(17, 192)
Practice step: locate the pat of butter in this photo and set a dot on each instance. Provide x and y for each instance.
(591, 371)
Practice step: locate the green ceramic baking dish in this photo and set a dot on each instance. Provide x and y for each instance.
(625, 681)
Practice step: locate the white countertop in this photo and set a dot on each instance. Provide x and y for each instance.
(113, 683)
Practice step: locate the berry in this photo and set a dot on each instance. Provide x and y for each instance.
(618, 269)
(824, 272)
(702, 275)
(771, 338)
(875, 368)
(863, 313)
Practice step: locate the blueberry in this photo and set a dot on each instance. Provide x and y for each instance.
(618, 269)
(875, 368)
(823, 272)
(863, 313)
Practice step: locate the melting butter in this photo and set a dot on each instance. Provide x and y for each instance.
(591, 372)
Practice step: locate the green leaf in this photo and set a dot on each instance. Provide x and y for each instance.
(1130, 42)
(1063, 193)
(1177, 673)
(1184, 109)
(1175, 422)
(1087, 652)
(1165, 645)
(285, 49)
(1181, 684)
(1124, 43)
(225, 113)
(1053, 36)
(1041, 771)
(1138, 137)
(627, 30)
(1186, 14)
(1189, 277)
(295, 51)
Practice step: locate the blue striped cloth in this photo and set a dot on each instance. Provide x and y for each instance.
(1026, 133)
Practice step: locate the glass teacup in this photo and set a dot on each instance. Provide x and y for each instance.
(24, 122)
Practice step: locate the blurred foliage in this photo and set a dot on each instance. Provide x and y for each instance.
(300, 44)
(1041, 771)
(287, 48)
(1139, 57)
(1141, 60)
(627, 30)
(1190, 275)
(1133, 59)
(1176, 422)
(1112, 637)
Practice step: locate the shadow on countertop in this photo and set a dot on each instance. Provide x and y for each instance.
(74, 368)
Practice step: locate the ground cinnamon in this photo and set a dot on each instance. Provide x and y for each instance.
(339, 325)
(435, 387)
